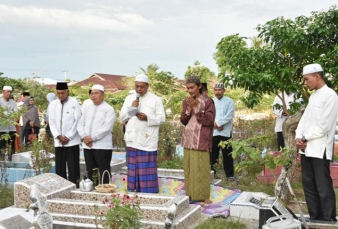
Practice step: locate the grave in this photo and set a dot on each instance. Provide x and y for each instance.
(49, 184)
(16, 222)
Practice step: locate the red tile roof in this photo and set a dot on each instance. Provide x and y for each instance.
(111, 83)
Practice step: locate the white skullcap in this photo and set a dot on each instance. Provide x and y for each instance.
(312, 68)
(7, 88)
(142, 78)
(98, 87)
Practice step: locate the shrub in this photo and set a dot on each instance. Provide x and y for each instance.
(123, 212)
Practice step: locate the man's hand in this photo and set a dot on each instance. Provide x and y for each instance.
(142, 116)
(135, 103)
(191, 101)
(63, 140)
(31, 124)
(300, 144)
(219, 128)
(88, 141)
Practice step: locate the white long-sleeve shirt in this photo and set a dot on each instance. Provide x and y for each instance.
(225, 111)
(318, 123)
(63, 120)
(278, 112)
(143, 135)
(97, 121)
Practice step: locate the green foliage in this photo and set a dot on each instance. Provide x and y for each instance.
(6, 196)
(40, 156)
(277, 65)
(244, 129)
(169, 136)
(175, 162)
(175, 103)
(118, 135)
(123, 212)
(202, 72)
(219, 223)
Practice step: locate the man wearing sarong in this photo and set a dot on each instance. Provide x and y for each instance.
(95, 128)
(64, 115)
(141, 136)
(198, 116)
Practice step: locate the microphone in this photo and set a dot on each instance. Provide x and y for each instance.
(137, 96)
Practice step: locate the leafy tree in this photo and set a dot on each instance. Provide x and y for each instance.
(277, 65)
(152, 68)
(202, 72)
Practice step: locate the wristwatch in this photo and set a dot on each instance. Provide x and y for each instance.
(304, 139)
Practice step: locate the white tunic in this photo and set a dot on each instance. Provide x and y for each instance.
(318, 123)
(63, 120)
(143, 135)
(97, 121)
(278, 112)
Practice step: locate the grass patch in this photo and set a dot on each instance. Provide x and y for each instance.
(220, 223)
(6, 197)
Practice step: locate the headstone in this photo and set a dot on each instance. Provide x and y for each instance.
(43, 219)
(16, 222)
(49, 184)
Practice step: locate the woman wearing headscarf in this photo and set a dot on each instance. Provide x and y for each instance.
(30, 119)
(197, 116)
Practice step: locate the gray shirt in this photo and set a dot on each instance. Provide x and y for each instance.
(9, 107)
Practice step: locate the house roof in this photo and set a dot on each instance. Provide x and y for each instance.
(111, 83)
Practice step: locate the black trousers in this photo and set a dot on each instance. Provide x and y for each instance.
(98, 158)
(70, 157)
(319, 193)
(280, 140)
(10, 142)
(228, 161)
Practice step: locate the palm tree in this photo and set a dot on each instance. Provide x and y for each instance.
(152, 68)
(256, 42)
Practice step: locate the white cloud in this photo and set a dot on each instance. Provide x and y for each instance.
(93, 19)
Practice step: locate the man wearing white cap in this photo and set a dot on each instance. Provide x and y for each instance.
(314, 139)
(225, 111)
(141, 136)
(95, 128)
(7, 127)
(64, 115)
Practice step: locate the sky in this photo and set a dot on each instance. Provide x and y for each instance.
(76, 38)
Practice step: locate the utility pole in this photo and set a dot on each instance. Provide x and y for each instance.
(65, 74)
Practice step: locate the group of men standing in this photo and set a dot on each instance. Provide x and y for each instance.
(91, 126)
(142, 114)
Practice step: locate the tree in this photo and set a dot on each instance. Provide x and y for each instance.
(277, 65)
(202, 72)
(152, 68)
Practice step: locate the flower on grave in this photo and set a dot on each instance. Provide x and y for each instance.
(123, 212)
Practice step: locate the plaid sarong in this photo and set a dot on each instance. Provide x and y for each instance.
(142, 171)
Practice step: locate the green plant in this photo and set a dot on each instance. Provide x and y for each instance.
(218, 166)
(219, 223)
(175, 162)
(118, 135)
(169, 136)
(123, 212)
(40, 156)
(96, 176)
(6, 196)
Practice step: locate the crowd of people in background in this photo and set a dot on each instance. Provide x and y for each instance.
(207, 121)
